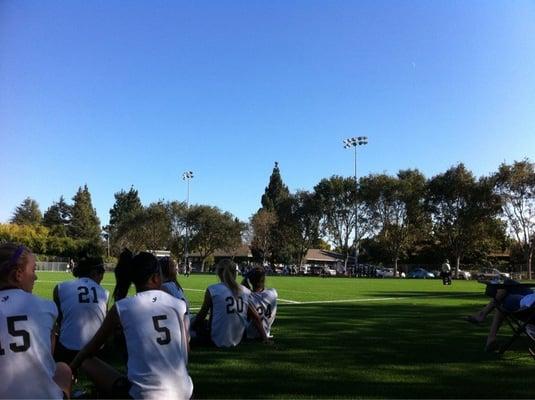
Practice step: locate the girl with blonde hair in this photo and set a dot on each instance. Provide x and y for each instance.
(230, 308)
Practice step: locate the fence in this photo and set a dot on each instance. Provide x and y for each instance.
(62, 266)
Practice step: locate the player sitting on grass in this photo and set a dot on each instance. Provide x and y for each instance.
(156, 339)
(170, 276)
(27, 368)
(263, 300)
(229, 305)
(82, 305)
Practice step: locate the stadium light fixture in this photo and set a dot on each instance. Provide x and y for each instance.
(348, 143)
(187, 176)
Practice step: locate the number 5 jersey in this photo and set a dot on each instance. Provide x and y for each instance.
(82, 304)
(156, 341)
(26, 362)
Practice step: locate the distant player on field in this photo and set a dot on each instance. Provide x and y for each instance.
(264, 301)
(27, 368)
(82, 305)
(230, 308)
(156, 338)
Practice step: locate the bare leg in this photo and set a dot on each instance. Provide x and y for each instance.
(494, 327)
(101, 374)
(63, 378)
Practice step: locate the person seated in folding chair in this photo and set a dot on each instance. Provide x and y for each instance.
(506, 299)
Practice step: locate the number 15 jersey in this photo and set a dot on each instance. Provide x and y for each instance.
(26, 363)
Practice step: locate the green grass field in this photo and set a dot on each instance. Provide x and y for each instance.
(358, 338)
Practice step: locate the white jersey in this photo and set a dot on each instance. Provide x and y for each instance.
(26, 362)
(153, 325)
(173, 290)
(265, 303)
(229, 315)
(83, 305)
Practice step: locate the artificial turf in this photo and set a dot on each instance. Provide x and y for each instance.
(358, 338)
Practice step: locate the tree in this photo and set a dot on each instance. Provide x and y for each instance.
(336, 197)
(396, 210)
(211, 230)
(262, 224)
(303, 223)
(27, 213)
(515, 184)
(84, 222)
(127, 205)
(273, 199)
(462, 210)
(147, 229)
(58, 218)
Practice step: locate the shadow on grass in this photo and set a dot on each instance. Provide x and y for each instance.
(366, 350)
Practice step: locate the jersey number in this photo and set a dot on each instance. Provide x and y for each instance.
(83, 295)
(23, 334)
(166, 339)
(234, 305)
(267, 311)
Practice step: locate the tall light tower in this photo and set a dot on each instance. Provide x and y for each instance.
(187, 176)
(355, 142)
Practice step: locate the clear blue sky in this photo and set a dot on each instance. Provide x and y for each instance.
(119, 93)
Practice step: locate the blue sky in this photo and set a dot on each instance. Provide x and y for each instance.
(119, 93)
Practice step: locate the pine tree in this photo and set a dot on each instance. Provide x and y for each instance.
(84, 223)
(27, 213)
(58, 217)
(276, 192)
(126, 205)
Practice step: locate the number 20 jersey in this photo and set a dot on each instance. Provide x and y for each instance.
(83, 304)
(228, 315)
(26, 363)
(153, 325)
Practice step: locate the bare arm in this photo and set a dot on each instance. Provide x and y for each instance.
(106, 329)
(257, 321)
(203, 312)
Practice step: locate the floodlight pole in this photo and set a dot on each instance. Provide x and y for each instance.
(187, 176)
(355, 142)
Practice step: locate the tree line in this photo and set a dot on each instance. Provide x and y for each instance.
(402, 218)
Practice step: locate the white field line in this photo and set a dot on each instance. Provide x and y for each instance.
(293, 302)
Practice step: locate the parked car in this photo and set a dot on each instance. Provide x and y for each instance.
(385, 272)
(420, 273)
(329, 271)
(491, 273)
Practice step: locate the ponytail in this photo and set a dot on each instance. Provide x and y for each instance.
(123, 278)
(226, 270)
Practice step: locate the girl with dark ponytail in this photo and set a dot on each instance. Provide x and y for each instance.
(155, 330)
(264, 301)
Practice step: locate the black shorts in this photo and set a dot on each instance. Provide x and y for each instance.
(63, 354)
(121, 388)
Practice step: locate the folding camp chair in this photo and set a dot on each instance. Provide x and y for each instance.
(522, 322)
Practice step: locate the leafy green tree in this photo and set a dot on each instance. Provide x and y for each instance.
(211, 229)
(396, 211)
(336, 197)
(27, 213)
(262, 224)
(515, 184)
(302, 224)
(58, 218)
(84, 222)
(127, 204)
(148, 229)
(462, 209)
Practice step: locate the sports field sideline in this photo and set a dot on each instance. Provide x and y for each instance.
(357, 338)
